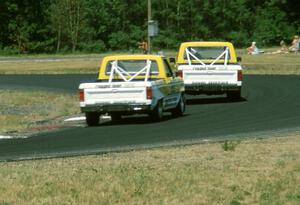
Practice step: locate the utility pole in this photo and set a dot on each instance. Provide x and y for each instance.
(149, 19)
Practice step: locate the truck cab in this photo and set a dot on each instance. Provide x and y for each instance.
(209, 68)
(132, 84)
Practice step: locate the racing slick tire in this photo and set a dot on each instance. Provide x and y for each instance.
(156, 115)
(115, 117)
(92, 118)
(180, 108)
(234, 95)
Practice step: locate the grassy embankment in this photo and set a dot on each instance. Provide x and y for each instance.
(253, 172)
(276, 64)
(259, 64)
(29, 111)
(256, 172)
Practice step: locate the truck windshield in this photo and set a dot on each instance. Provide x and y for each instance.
(131, 67)
(206, 53)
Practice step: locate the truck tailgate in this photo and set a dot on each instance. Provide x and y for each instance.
(216, 76)
(115, 95)
(211, 74)
(99, 93)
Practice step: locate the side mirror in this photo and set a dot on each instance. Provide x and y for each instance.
(239, 59)
(172, 60)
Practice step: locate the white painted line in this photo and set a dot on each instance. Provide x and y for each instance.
(83, 118)
(5, 137)
(105, 117)
(75, 119)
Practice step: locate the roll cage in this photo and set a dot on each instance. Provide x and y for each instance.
(129, 76)
(191, 56)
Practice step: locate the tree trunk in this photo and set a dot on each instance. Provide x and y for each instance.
(178, 14)
(58, 39)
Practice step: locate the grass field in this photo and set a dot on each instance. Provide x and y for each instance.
(284, 64)
(27, 111)
(259, 64)
(265, 171)
(255, 172)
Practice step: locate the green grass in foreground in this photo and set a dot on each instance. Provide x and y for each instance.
(255, 172)
(259, 64)
(23, 110)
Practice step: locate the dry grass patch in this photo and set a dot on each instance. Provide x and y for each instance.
(64, 66)
(22, 109)
(258, 64)
(283, 64)
(256, 172)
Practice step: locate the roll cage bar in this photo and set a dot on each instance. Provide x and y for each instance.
(126, 76)
(189, 54)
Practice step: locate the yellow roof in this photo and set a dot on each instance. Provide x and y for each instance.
(184, 45)
(132, 57)
(107, 59)
(206, 43)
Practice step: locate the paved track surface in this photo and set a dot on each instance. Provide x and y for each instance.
(270, 103)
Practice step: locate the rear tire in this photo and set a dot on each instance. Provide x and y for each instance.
(157, 114)
(180, 108)
(92, 118)
(235, 95)
(115, 117)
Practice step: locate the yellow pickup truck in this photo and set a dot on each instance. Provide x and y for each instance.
(209, 68)
(131, 84)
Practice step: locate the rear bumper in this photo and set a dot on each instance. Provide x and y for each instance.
(119, 108)
(200, 88)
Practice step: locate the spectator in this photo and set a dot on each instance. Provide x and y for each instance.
(253, 50)
(283, 48)
(295, 44)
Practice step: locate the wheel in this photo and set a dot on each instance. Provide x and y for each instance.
(180, 108)
(157, 114)
(235, 95)
(115, 117)
(92, 118)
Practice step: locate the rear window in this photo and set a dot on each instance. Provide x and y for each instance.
(206, 53)
(131, 67)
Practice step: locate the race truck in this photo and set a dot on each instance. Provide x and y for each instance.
(209, 68)
(132, 84)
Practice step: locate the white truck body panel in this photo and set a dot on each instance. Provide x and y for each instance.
(110, 93)
(217, 74)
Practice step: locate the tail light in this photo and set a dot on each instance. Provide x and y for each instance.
(240, 75)
(81, 95)
(149, 93)
(179, 73)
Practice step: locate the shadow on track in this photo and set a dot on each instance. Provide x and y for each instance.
(213, 100)
(137, 120)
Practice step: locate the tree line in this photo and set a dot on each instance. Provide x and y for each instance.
(59, 26)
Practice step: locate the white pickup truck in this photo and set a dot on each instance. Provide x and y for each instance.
(209, 68)
(130, 84)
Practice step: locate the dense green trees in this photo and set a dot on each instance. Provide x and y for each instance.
(49, 26)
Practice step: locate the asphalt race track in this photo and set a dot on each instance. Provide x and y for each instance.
(269, 104)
